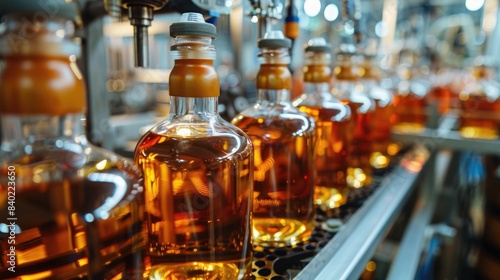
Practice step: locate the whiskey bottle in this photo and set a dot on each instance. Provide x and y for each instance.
(284, 157)
(348, 89)
(68, 209)
(410, 102)
(479, 110)
(332, 119)
(383, 148)
(198, 171)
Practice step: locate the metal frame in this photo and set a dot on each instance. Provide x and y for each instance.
(346, 255)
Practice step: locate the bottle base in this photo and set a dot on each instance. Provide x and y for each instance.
(358, 178)
(328, 198)
(193, 271)
(474, 132)
(379, 160)
(408, 128)
(280, 232)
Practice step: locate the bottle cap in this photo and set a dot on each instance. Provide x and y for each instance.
(193, 24)
(274, 39)
(318, 44)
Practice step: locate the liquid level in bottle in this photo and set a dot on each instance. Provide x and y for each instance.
(409, 113)
(359, 169)
(198, 203)
(283, 207)
(47, 205)
(442, 97)
(479, 117)
(330, 189)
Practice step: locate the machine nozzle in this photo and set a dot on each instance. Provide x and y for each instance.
(140, 14)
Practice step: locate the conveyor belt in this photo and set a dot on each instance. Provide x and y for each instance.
(308, 261)
(284, 263)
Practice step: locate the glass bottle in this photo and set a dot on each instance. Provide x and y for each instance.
(74, 210)
(440, 92)
(332, 119)
(381, 123)
(347, 89)
(410, 101)
(283, 139)
(197, 171)
(479, 110)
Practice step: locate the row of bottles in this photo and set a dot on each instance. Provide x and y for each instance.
(210, 189)
(422, 95)
(201, 191)
(473, 95)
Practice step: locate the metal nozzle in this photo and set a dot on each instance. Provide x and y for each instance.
(140, 14)
(141, 18)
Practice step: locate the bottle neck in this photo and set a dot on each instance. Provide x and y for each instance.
(273, 96)
(274, 77)
(345, 68)
(317, 87)
(274, 82)
(316, 73)
(21, 132)
(194, 78)
(181, 106)
(317, 78)
(41, 85)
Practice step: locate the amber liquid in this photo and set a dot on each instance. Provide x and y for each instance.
(359, 170)
(283, 178)
(52, 240)
(383, 148)
(330, 190)
(409, 113)
(441, 96)
(479, 117)
(198, 203)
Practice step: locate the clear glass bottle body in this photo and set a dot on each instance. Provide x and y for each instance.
(76, 209)
(198, 172)
(347, 89)
(479, 113)
(332, 119)
(284, 156)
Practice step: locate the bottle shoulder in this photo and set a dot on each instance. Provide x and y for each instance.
(68, 156)
(216, 140)
(195, 126)
(52, 86)
(330, 110)
(81, 171)
(276, 126)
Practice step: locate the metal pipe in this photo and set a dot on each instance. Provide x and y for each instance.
(140, 14)
(141, 18)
